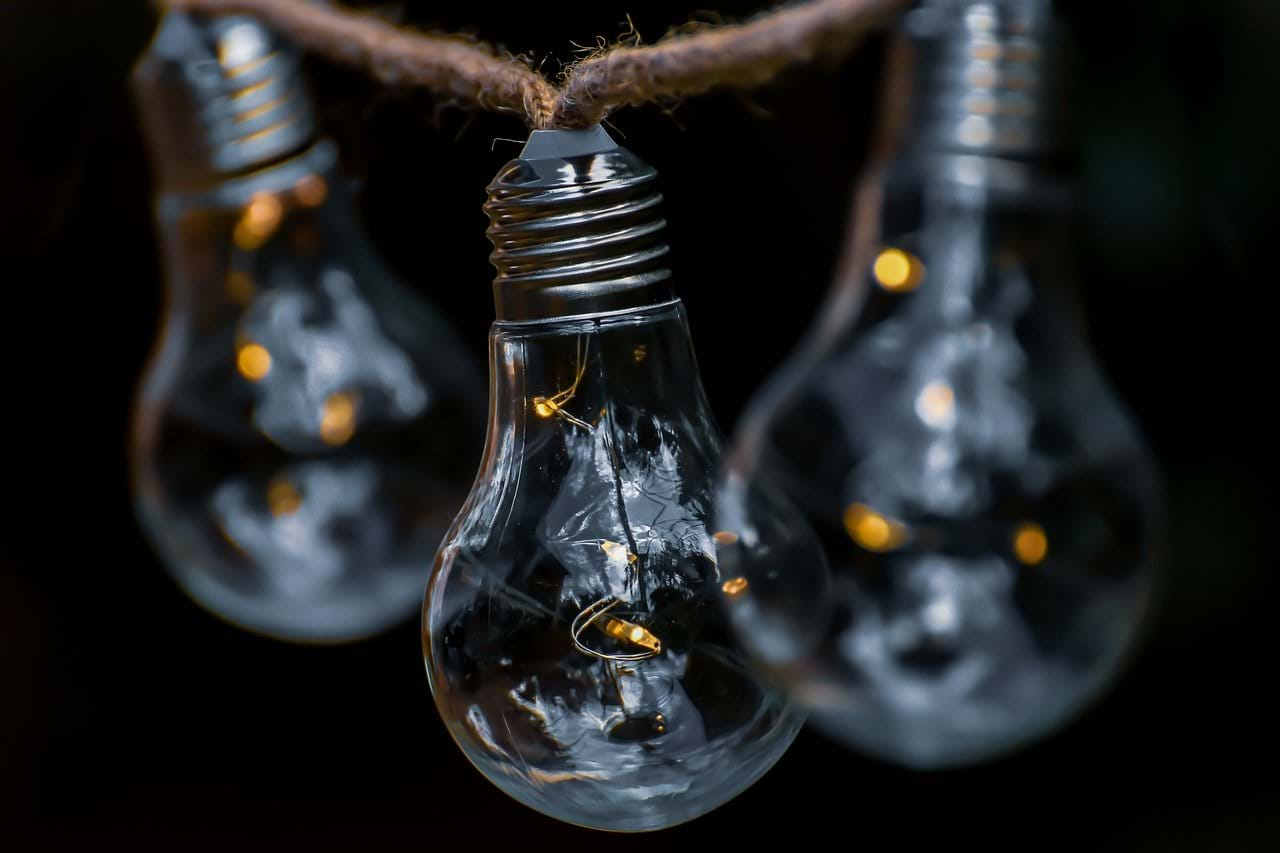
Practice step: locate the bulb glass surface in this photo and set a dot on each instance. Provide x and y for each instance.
(307, 426)
(976, 547)
(573, 632)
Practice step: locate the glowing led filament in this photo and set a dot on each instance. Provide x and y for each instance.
(628, 632)
(338, 419)
(260, 219)
(548, 407)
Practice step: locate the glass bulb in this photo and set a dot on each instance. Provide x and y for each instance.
(976, 547)
(307, 427)
(572, 632)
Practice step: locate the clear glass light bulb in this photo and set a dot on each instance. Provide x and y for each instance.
(572, 632)
(307, 427)
(976, 547)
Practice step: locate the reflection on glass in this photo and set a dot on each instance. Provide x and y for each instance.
(307, 427)
(573, 638)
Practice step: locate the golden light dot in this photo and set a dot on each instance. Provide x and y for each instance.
(544, 408)
(872, 530)
(283, 497)
(617, 551)
(639, 353)
(936, 405)
(734, 587)
(1030, 544)
(253, 361)
(637, 634)
(897, 271)
(725, 537)
(259, 221)
(239, 287)
(338, 419)
(311, 191)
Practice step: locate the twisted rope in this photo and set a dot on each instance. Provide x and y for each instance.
(736, 55)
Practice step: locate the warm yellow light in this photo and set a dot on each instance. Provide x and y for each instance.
(617, 552)
(629, 632)
(639, 353)
(338, 419)
(1030, 544)
(311, 191)
(253, 361)
(897, 271)
(734, 587)
(544, 408)
(872, 530)
(936, 405)
(725, 537)
(260, 219)
(283, 497)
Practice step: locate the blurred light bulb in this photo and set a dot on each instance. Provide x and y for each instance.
(977, 541)
(307, 427)
(572, 635)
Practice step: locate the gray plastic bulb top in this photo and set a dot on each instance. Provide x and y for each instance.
(219, 97)
(989, 78)
(575, 229)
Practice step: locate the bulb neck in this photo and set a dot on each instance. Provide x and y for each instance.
(990, 81)
(575, 229)
(563, 373)
(219, 97)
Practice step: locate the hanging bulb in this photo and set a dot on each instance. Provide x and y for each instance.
(572, 632)
(978, 546)
(307, 427)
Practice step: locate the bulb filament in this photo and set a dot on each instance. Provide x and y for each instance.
(553, 406)
(630, 633)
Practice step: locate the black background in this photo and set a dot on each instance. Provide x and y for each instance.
(127, 712)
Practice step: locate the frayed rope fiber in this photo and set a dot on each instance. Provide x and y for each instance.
(734, 55)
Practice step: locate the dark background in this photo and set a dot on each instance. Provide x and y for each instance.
(127, 712)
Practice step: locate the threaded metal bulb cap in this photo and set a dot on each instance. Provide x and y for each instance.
(575, 229)
(989, 78)
(220, 97)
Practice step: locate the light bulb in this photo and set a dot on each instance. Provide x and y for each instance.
(572, 631)
(976, 548)
(307, 427)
